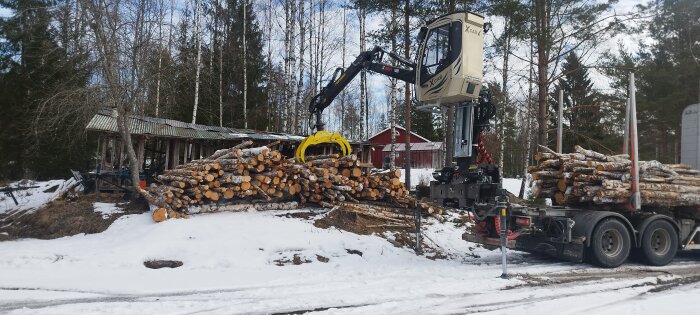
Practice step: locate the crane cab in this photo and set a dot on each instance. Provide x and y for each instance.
(450, 59)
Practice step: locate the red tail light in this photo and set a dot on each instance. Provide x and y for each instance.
(525, 221)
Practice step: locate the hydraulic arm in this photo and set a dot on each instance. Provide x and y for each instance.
(370, 60)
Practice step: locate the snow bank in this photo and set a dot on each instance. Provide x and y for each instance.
(33, 198)
(512, 185)
(418, 176)
(231, 267)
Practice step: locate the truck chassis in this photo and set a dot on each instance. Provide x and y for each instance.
(603, 237)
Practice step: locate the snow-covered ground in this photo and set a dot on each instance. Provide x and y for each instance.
(107, 209)
(32, 198)
(231, 266)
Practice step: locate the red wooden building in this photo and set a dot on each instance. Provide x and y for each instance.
(424, 153)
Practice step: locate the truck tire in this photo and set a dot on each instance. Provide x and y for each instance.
(659, 243)
(610, 244)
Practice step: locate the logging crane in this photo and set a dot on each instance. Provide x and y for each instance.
(447, 71)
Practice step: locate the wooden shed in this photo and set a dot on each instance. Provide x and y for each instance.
(430, 153)
(423, 154)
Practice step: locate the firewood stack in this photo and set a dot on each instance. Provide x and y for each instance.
(587, 176)
(240, 178)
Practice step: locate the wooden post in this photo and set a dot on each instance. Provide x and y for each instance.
(167, 154)
(176, 153)
(103, 152)
(141, 151)
(186, 153)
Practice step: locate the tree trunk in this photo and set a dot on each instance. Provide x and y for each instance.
(502, 133)
(344, 93)
(123, 126)
(160, 54)
(362, 13)
(407, 94)
(302, 46)
(394, 100)
(542, 31)
(528, 124)
(199, 62)
(245, 66)
(221, 67)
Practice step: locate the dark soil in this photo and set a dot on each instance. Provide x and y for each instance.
(358, 224)
(61, 218)
(351, 222)
(157, 264)
(296, 260)
(307, 215)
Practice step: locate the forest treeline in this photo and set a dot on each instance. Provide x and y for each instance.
(256, 64)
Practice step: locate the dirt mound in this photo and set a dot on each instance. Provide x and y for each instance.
(359, 224)
(64, 218)
(352, 222)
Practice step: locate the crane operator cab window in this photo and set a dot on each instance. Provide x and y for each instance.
(442, 48)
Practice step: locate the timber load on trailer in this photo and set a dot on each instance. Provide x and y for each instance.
(594, 219)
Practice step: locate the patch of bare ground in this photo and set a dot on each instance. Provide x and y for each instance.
(61, 218)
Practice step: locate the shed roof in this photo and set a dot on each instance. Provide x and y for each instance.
(420, 146)
(168, 128)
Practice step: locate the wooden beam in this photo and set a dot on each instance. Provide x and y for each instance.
(167, 154)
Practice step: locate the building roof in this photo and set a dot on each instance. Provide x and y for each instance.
(397, 127)
(168, 128)
(420, 146)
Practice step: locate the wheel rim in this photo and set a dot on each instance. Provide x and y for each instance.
(611, 243)
(660, 242)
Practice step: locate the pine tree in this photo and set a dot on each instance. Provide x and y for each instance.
(41, 54)
(581, 109)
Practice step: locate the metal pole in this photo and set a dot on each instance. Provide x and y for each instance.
(626, 140)
(504, 238)
(559, 121)
(417, 220)
(636, 198)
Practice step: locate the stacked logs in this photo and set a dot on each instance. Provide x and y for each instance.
(586, 176)
(241, 178)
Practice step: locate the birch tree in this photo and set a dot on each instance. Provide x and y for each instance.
(122, 41)
(198, 66)
(300, 84)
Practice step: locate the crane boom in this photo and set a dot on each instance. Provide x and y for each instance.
(371, 60)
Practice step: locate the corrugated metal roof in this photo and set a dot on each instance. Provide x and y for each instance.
(421, 146)
(144, 125)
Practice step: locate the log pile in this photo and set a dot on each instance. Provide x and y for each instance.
(242, 177)
(586, 176)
